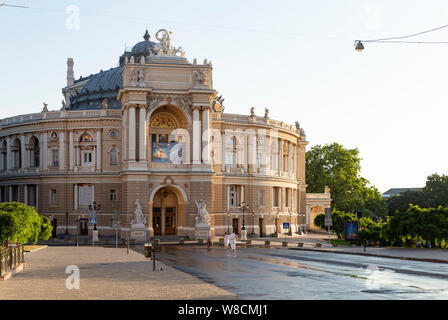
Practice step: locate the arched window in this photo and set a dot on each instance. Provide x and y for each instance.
(35, 162)
(17, 154)
(86, 138)
(113, 157)
(231, 151)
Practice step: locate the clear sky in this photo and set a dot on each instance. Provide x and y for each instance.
(390, 101)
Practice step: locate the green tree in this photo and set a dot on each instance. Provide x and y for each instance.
(9, 226)
(339, 219)
(433, 195)
(339, 168)
(22, 223)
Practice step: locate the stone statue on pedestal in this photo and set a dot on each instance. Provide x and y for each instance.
(202, 221)
(139, 217)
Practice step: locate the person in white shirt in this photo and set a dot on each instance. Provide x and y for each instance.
(226, 240)
(233, 238)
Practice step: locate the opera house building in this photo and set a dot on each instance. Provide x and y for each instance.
(150, 136)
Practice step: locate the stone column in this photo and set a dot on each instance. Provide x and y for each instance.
(37, 197)
(98, 150)
(25, 194)
(23, 152)
(8, 154)
(71, 151)
(78, 156)
(124, 148)
(205, 134)
(10, 193)
(280, 155)
(2, 164)
(131, 134)
(142, 134)
(44, 151)
(196, 136)
(62, 150)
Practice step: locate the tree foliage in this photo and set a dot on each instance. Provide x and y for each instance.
(428, 225)
(339, 219)
(22, 224)
(433, 195)
(339, 168)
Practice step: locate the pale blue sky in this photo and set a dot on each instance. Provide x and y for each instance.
(390, 101)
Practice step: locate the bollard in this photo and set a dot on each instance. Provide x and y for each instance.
(127, 245)
(300, 244)
(148, 251)
(284, 244)
(318, 245)
(267, 243)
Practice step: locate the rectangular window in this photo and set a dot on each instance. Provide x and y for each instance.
(113, 195)
(287, 195)
(55, 157)
(235, 196)
(85, 195)
(261, 198)
(53, 196)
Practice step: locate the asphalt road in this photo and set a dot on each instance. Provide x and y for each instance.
(258, 273)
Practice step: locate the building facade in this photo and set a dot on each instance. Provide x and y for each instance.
(153, 132)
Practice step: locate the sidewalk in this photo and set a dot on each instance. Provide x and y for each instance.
(309, 244)
(105, 273)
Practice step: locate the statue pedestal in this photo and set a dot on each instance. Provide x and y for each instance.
(138, 233)
(202, 231)
(244, 235)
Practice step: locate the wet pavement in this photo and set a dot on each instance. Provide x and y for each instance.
(258, 273)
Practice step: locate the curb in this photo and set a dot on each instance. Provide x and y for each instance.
(37, 249)
(374, 255)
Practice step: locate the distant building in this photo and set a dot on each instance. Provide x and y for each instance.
(396, 191)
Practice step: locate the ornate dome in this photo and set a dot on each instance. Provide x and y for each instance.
(144, 47)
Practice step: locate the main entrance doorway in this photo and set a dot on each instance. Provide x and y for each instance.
(165, 212)
(170, 221)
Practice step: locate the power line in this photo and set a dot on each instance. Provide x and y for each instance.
(381, 40)
(408, 36)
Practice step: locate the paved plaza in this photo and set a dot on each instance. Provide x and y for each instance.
(105, 273)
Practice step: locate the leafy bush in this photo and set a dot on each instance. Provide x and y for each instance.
(22, 224)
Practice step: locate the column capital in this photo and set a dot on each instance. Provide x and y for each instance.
(193, 108)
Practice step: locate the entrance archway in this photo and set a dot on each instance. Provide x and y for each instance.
(167, 211)
(315, 211)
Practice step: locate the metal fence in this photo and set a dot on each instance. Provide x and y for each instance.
(10, 258)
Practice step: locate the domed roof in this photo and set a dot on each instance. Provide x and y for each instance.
(144, 47)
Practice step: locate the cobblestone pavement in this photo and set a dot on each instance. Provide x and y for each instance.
(105, 273)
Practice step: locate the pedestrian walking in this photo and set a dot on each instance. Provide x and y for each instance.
(209, 243)
(226, 240)
(233, 238)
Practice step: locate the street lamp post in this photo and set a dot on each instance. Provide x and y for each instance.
(66, 223)
(253, 224)
(290, 223)
(244, 208)
(77, 230)
(228, 221)
(94, 207)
